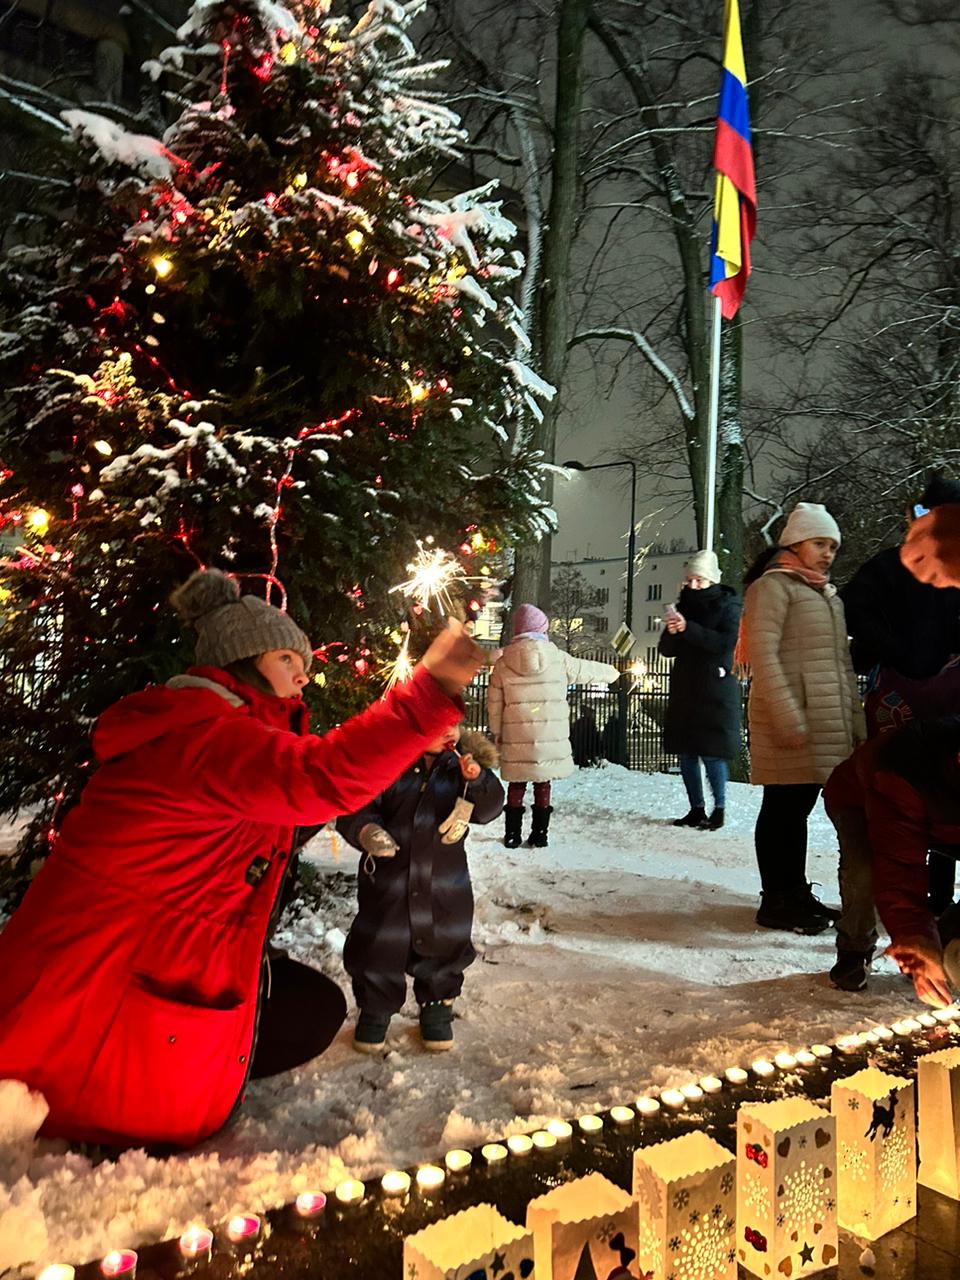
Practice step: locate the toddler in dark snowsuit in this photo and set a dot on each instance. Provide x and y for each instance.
(415, 900)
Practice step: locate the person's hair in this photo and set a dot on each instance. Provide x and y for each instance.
(924, 753)
(245, 669)
(759, 565)
(940, 491)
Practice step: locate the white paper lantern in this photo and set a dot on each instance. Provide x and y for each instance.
(583, 1228)
(477, 1239)
(938, 1090)
(686, 1193)
(876, 1151)
(786, 1188)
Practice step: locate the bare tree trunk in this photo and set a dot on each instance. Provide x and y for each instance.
(532, 573)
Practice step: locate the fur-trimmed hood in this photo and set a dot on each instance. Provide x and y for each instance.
(478, 745)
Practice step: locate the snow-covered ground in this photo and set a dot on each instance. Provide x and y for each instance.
(623, 956)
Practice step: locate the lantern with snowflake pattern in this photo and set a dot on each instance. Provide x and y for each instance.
(478, 1242)
(938, 1090)
(686, 1193)
(786, 1188)
(876, 1152)
(584, 1228)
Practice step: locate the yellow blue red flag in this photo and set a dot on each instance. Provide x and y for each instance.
(735, 197)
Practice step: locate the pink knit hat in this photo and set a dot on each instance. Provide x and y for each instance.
(529, 619)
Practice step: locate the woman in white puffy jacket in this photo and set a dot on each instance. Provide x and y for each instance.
(528, 715)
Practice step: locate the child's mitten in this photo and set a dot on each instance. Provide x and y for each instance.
(454, 827)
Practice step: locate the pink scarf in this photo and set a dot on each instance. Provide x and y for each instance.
(786, 561)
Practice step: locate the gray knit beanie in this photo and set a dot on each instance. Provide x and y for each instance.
(230, 626)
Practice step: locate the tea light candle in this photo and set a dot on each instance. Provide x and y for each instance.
(883, 1033)
(621, 1115)
(458, 1160)
(57, 1271)
(821, 1050)
(561, 1129)
(736, 1075)
(912, 1024)
(520, 1144)
(692, 1092)
(120, 1262)
(309, 1203)
(196, 1242)
(590, 1124)
(806, 1058)
(395, 1183)
(785, 1061)
(847, 1044)
(711, 1084)
(947, 1014)
(926, 1019)
(493, 1152)
(647, 1106)
(350, 1191)
(543, 1139)
(762, 1067)
(429, 1177)
(243, 1227)
(672, 1098)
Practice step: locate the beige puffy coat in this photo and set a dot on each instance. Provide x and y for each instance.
(802, 680)
(527, 708)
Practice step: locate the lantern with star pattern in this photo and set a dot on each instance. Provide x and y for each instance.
(476, 1244)
(587, 1227)
(876, 1151)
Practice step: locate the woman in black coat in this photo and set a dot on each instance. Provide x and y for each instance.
(703, 709)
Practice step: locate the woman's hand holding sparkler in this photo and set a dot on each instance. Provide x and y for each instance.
(454, 658)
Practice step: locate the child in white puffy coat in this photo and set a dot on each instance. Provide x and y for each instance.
(528, 715)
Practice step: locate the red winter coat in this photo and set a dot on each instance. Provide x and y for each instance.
(131, 971)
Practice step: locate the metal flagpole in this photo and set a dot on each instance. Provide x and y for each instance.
(711, 487)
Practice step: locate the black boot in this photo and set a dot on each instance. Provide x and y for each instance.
(811, 901)
(513, 818)
(850, 971)
(693, 818)
(789, 911)
(541, 821)
(714, 822)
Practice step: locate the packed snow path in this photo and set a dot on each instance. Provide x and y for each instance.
(623, 956)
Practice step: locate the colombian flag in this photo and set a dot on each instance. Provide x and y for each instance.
(735, 199)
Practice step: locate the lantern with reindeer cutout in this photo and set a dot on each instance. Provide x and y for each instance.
(476, 1244)
(584, 1230)
(876, 1152)
(686, 1193)
(938, 1088)
(786, 1188)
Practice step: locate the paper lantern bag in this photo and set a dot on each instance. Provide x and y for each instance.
(584, 1229)
(938, 1089)
(478, 1242)
(685, 1189)
(876, 1152)
(786, 1188)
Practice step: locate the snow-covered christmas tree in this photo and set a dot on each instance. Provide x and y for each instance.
(257, 341)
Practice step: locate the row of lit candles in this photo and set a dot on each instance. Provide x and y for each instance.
(196, 1243)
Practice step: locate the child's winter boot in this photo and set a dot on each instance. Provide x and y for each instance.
(541, 822)
(695, 818)
(436, 1025)
(513, 819)
(370, 1033)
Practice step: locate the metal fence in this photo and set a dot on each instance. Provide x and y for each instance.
(595, 712)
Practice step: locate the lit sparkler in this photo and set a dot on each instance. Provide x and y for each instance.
(401, 668)
(433, 573)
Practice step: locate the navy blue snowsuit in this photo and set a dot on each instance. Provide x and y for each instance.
(416, 910)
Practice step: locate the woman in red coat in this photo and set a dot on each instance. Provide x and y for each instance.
(135, 969)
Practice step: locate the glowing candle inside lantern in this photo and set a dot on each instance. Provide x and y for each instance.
(493, 1152)
(120, 1262)
(395, 1183)
(244, 1227)
(692, 1092)
(350, 1191)
(621, 1115)
(806, 1058)
(711, 1084)
(458, 1160)
(736, 1075)
(590, 1124)
(57, 1271)
(647, 1106)
(821, 1050)
(560, 1129)
(762, 1067)
(196, 1242)
(519, 1144)
(672, 1098)
(785, 1060)
(543, 1139)
(309, 1203)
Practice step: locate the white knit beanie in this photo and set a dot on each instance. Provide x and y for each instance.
(809, 520)
(704, 564)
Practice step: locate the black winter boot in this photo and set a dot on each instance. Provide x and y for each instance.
(850, 971)
(810, 899)
(541, 821)
(714, 822)
(693, 819)
(513, 820)
(790, 912)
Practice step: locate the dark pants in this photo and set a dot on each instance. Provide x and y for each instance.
(780, 835)
(298, 1019)
(517, 790)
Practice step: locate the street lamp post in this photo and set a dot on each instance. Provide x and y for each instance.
(574, 465)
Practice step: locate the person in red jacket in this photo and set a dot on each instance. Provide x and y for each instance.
(135, 972)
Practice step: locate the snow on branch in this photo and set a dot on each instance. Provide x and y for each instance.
(118, 146)
(647, 351)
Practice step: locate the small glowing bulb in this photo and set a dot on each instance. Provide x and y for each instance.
(39, 520)
(458, 1160)
(288, 53)
(354, 239)
(418, 392)
(102, 447)
(395, 1183)
(300, 180)
(162, 266)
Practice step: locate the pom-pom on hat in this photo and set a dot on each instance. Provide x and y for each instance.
(704, 564)
(230, 626)
(529, 620)
(809, 520)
